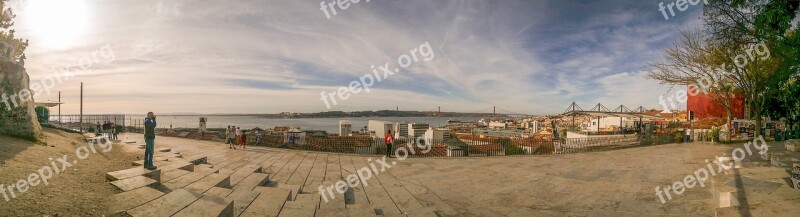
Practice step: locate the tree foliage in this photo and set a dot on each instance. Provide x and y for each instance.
(732, 29)
(7, 32)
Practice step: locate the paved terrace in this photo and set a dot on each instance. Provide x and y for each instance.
(279, 182)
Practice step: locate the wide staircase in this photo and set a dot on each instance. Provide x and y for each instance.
(238, 183)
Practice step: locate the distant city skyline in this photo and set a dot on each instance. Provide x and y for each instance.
(270, 57)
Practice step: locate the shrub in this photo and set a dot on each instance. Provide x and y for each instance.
(515, 150)
(714, 134)
(505, 142)
(47, 125)
(119, 128)
(678, 138)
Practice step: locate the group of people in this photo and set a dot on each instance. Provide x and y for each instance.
(236, 136)
(107, 129)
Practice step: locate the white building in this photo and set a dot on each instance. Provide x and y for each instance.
(345, 128)
(532, 125)
(497, 125)
(607, 122)
(378, 128)
(437, 135)
(411, 130)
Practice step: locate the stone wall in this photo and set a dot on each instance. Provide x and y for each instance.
(16, 120)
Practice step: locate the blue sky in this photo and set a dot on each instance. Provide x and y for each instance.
(234, 56)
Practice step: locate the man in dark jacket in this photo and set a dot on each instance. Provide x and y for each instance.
(149, 140)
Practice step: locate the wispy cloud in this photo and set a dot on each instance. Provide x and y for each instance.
(272, 56)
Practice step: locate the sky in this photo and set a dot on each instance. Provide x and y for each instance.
(248, 56)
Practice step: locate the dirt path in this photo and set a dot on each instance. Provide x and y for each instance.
(77, 191)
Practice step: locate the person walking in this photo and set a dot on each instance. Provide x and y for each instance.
(108, 127)
(114, 132)
(149, 139)
(98, 129)
(238, 136)
(227, 132)
(388, 139)
(232, 137)
(243, 143)
(258, 138)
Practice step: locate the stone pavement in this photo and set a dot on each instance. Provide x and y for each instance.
(279, 182)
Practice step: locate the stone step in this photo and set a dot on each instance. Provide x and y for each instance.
(219, 192)
(338, 212)
(208, 182)
(424, 212)
(241, 200)
(268, 203)
(121, 202)
(335, 201)
(294, 188)
(171, 175)
(208, 206)
(360, 210)
(196, 159)
(304, 205)
(133, 183)
(252, 181)
(133, 172)
(175, 165)
(164, 150)
(166, 205)
(158, 160)
(242, 173)
(188, 179)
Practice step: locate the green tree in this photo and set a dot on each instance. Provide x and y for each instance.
(697, 61)
(7, 32)
(736, 24)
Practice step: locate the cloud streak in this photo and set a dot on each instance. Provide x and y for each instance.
(211, 56)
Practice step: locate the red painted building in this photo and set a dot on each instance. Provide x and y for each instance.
(704, 106)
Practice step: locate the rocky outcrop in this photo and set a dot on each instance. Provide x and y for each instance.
(17, 115)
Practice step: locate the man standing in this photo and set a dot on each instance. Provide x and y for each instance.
(389, 138)
(99, 129)
(149, 140)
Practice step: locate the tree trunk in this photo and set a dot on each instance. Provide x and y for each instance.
(758, 126)
(729, 126)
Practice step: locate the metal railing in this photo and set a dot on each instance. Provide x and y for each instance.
(459, 147)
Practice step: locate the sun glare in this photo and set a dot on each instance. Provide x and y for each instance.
(56, 23)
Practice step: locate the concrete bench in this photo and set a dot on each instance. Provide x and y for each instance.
(133, 172)
(133, 183)
(269, 202)
(208, 206)
(166, 205)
